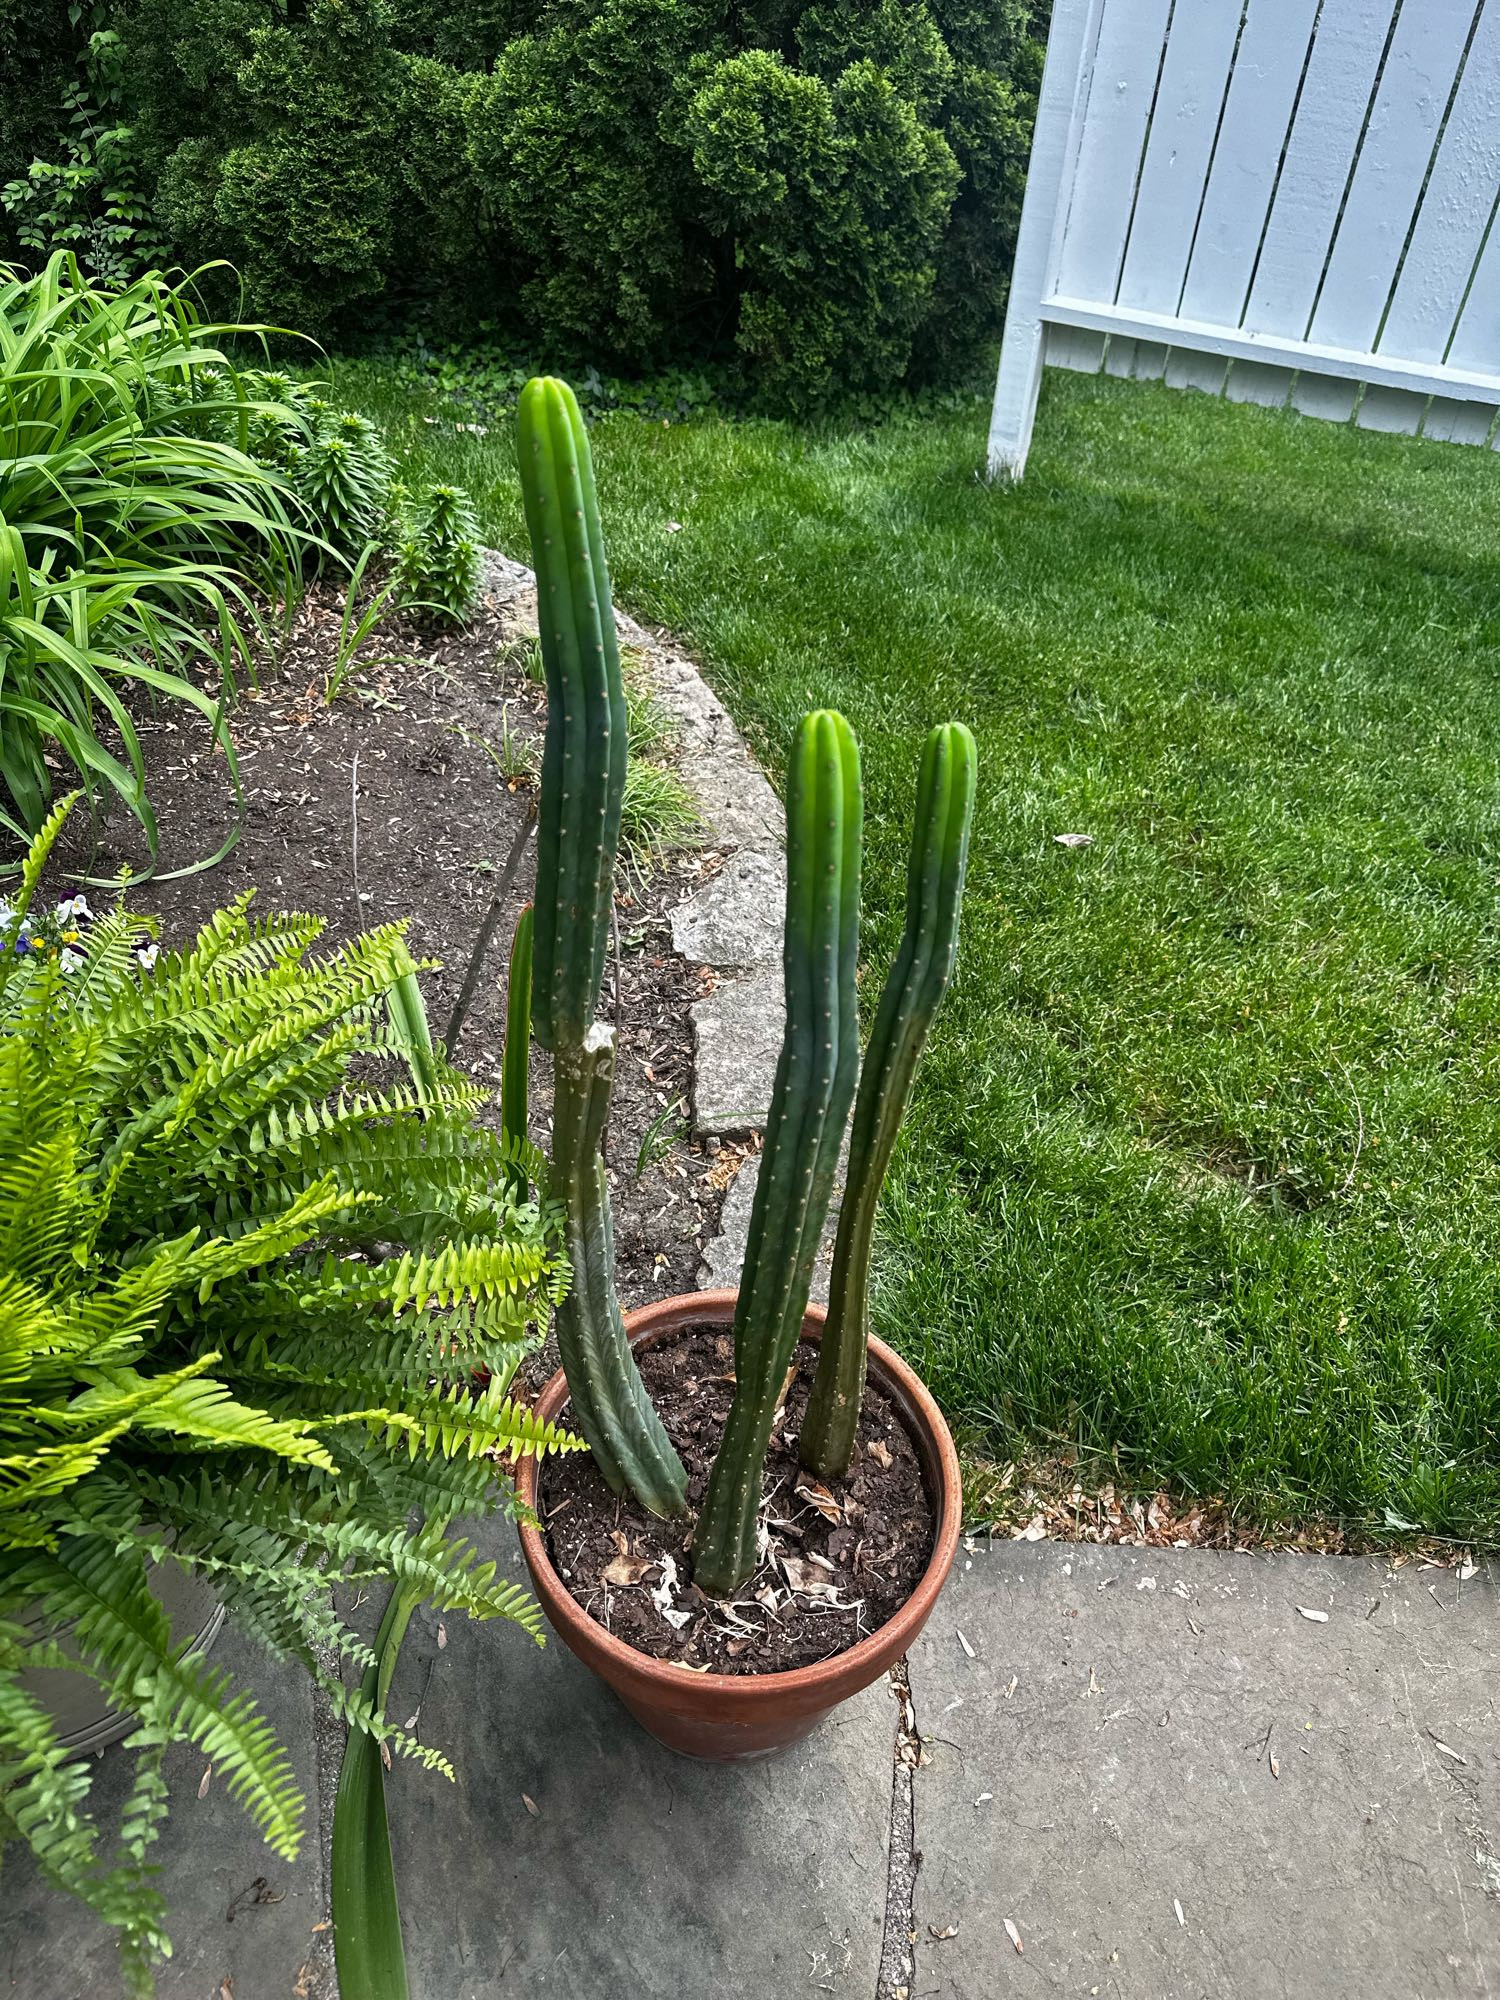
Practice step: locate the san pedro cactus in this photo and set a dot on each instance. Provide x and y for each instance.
(578, 832)
(583, 757)
(917, 982)
(815, 1079)
(515, 1071)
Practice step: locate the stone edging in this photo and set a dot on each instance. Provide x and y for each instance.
(731, 925)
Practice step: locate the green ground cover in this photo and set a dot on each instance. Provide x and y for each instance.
(1204, 1167)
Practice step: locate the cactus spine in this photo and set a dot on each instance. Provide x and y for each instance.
(578, 831)
(918, 979)
(815, 1079)
(515, 1068)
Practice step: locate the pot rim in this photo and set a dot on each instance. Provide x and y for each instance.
(875, 1649)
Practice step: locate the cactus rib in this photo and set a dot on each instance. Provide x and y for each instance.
(815, 1078)
(515, 1065)
(610, 1403)
(583, 757)
(913, 991)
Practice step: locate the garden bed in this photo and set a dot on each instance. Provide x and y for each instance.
(402, 798)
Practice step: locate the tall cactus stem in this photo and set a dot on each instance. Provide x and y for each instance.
(610, 1403)
(578, 834)
(815, 1078)
(515, 1067)
(917, 982)
(583, 757)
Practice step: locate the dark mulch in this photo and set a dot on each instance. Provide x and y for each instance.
(401, 799)
(837, 1563)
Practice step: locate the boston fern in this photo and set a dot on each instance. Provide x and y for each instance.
(259, 1308)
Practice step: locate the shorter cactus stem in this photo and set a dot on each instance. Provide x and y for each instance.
(515, 1067)
(610, 1404)
(815, 1079)
(918, 979)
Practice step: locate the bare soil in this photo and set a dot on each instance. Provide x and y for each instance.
(836, 1563)
(400, 800)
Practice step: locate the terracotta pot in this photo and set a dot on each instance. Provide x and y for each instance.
(727, 1716)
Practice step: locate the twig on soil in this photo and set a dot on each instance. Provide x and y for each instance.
(614, 928)
(614, 925)
(354, 832)
(486, 935)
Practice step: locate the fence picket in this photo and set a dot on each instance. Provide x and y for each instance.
(1073, 347)
(1346, 53)
(1237, 200)
(1126, 62)
(1476, 338)
(1458, 423)
(1391, 410)
(1255, 382)
(1393, 162)
(1455, 212)
(1195, 74)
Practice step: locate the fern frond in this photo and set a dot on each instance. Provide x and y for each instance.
(43, 842)
(122, 1634)
(450, 1422)
(203, 1410)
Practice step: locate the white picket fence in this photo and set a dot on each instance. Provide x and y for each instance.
(1271, 200)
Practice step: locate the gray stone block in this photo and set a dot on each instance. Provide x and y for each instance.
(724, 1258)
(736, 918)
(637, 1872)
(505, 580)
(211, 1859)
(736, 1041)
(1103, 1759)
(739, 806)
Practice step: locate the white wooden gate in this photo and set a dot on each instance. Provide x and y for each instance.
(1270, 200)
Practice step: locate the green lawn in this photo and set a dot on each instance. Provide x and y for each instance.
(1204, 1166)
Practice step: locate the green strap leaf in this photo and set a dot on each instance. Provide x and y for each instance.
(367, 1944)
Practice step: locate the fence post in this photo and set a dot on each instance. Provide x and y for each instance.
(1054, 148)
